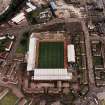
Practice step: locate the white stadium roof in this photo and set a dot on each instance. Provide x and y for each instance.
(31, 53)
(51, 74)
(71, 53)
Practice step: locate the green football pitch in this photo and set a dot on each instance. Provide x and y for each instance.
(51, 55)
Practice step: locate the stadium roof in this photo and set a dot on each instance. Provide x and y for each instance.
(31, 53)
(51, 74)
(71, 53)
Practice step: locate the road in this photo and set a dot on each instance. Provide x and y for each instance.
(89, 55)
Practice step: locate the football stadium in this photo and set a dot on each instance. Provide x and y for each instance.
(48, 61)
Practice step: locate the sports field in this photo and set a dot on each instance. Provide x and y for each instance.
(9, 99)
(51, 55)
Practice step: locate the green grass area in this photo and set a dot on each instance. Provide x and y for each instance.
(68, 99)
(84, 89)
(9, 99)
(79, 61)
(2, 44)
(51, 55)
(102, 75)
(97, 60)
(23, 46)
(102, 102)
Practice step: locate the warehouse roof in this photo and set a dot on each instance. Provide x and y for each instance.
(18, 18)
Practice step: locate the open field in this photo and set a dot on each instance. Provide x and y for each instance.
(9, 99)
(51, 55)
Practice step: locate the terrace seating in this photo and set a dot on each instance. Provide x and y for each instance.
(65, 55)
